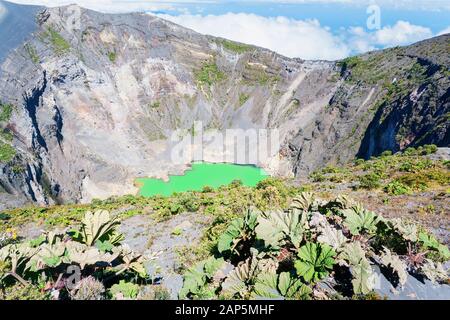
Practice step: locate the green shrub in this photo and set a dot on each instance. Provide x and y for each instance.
(6, 111)
(60, 45)
(409, 151)
(317, 176)
(235, 46)
(243, 98)
(189, 202)
(415, 165)
(424, 179)
(21, 292)
(207, 189)
(209, 74)
(7, 152)
(397, 188)
(31, 50)
(6, 135)
(112, 56)
(369, 181)
(429, 149)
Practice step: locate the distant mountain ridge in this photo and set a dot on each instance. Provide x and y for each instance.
(92, 107)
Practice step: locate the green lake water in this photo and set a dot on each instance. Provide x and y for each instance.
(202, 174)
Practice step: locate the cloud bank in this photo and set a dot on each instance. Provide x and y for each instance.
(305, 39)
(294, 38)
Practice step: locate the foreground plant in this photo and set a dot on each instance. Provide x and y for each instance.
(80, 264)
(315, 261)
(297, 253)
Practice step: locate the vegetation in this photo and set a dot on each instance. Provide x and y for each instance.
(31, 50)
(6, 135)
(88, 262)
(258, 74)
(284, 246)
(287, 254)
(243, 98)
(224, 203)
(7, 152)
(112, 56)
(60, 45)
(155, 105)
(396, 174)
(209, 74)
(363, 69)
(235, 46)
(6, 111)
(370, 181)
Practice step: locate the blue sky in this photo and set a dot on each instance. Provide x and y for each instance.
(308, 29)
(332, 14)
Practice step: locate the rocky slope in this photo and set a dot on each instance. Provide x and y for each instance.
(89, 104)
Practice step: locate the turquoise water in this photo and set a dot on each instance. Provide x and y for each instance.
(201, 175)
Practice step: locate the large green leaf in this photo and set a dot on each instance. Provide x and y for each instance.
(407, 230)
(315, 261)
(358, 220)
(98, 226)
(331, 236)
(240, 229)
(84, 256)
(124, 290)
(363, 277)
(278, 286)
(275, 228)
(49, 255)
(303, 201)
(266, 287)
(241, 276)
(233, 231)
(196, 278)
(212, 265)
(430, 242)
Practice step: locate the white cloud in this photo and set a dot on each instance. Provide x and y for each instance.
(401, 33)
(305, 39)
(294, 38)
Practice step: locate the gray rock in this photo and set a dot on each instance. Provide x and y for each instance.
(415, 289)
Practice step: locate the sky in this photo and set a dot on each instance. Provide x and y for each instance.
(307, 29)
